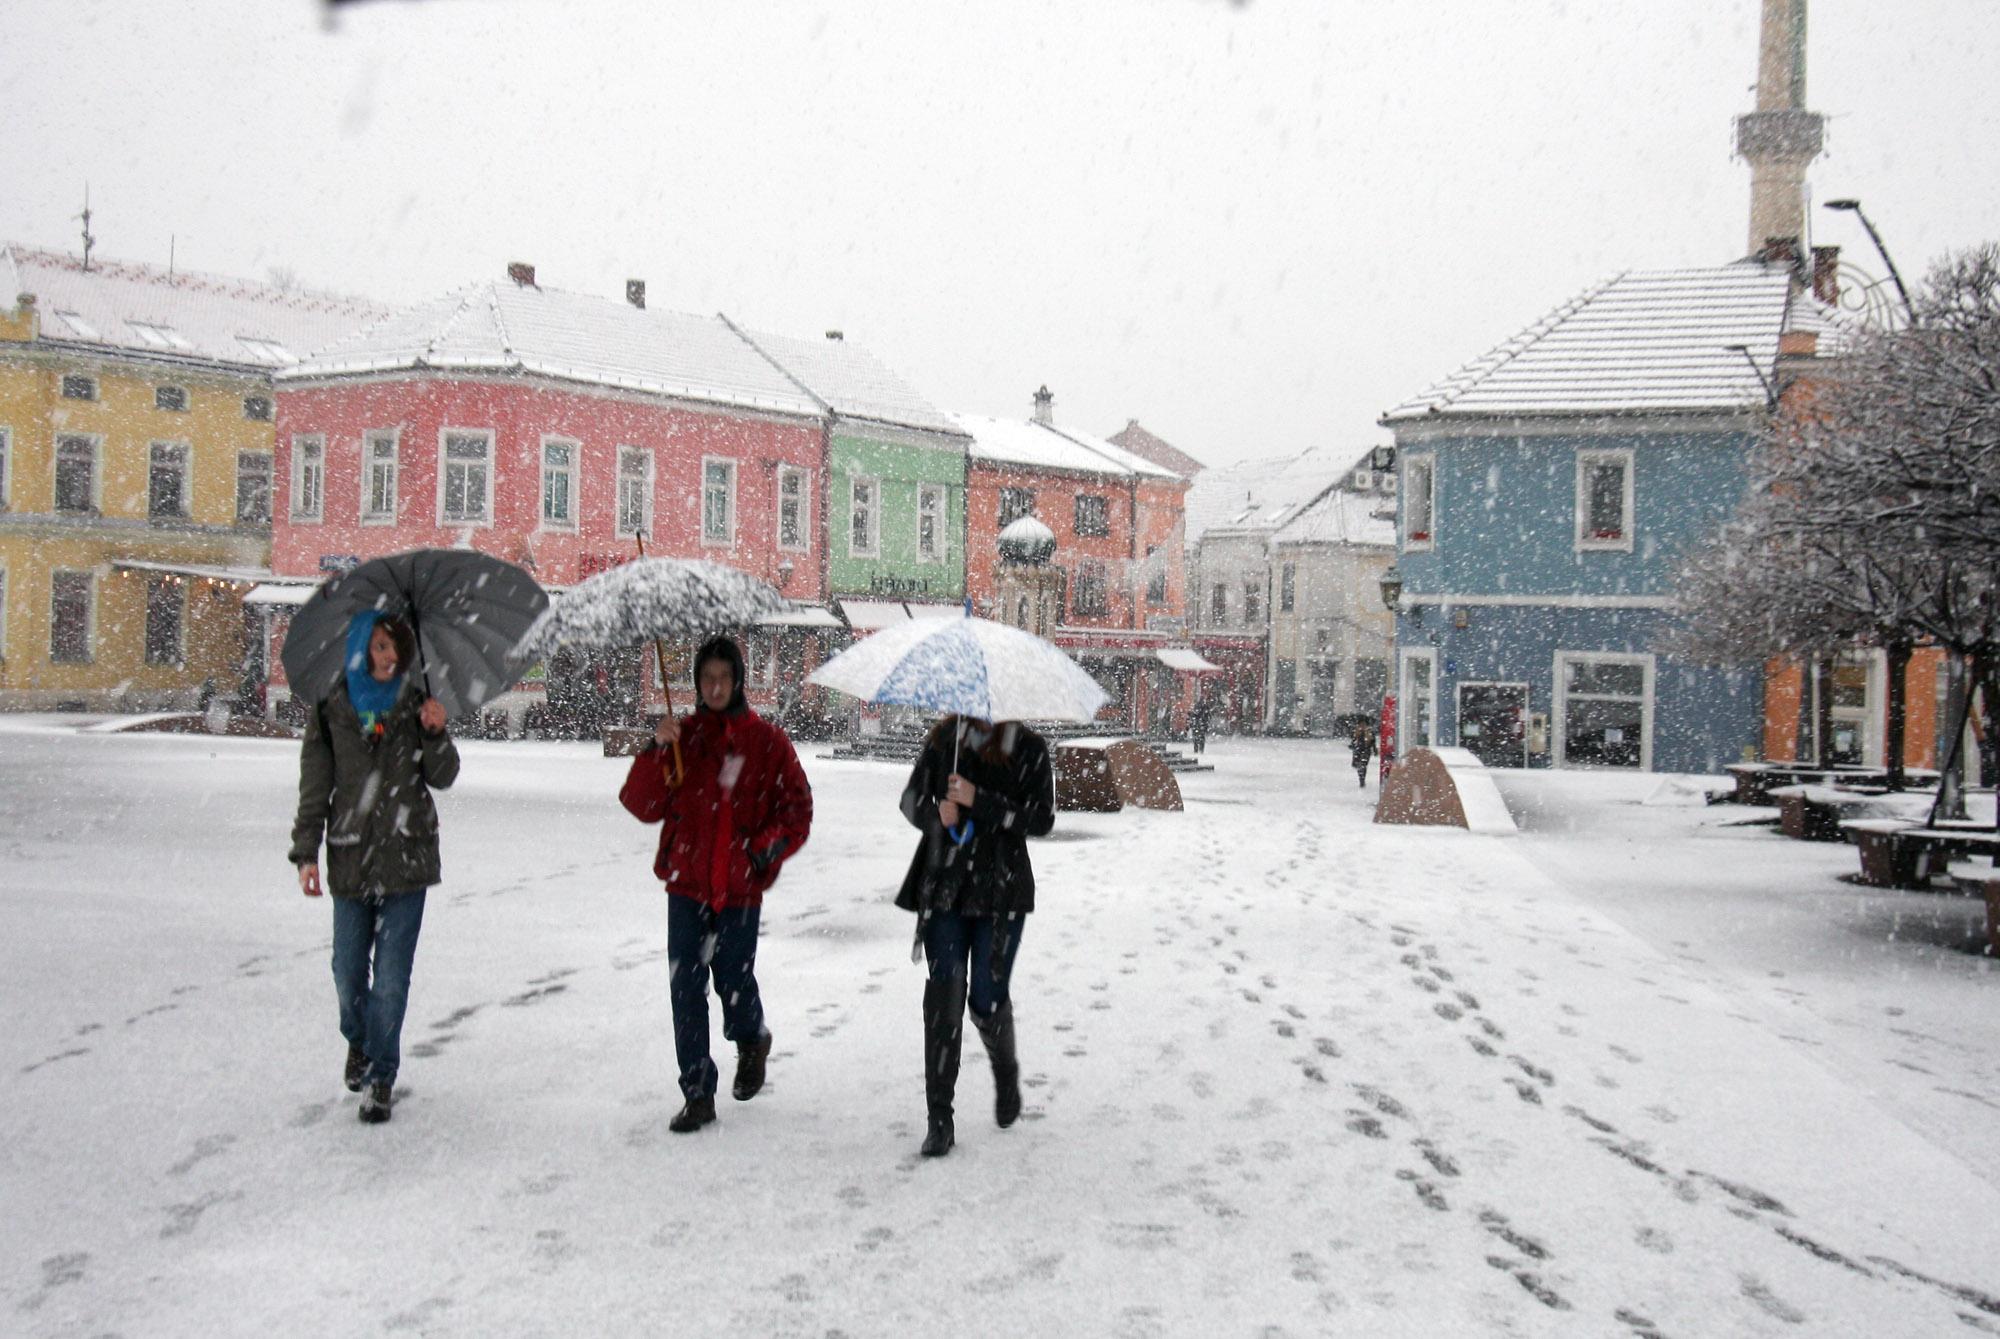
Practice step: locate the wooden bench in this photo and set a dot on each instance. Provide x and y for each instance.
(1756, 780)
(1896, 854)
(1982, 880)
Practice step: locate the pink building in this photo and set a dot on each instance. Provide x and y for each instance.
(554, 429)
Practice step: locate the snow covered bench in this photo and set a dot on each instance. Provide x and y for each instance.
(1982, 879)
(1898, 854)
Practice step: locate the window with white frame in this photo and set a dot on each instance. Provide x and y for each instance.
(1014, 504)
(6, 467)
(76, 475)
(167, 482)
(380, 453)
(718, 501)
(257, 408)
(1416, 700)
(794, 509)
(1253, 600)
(171, 398)
(465, 492)
(1288, 587)
(559, 459)
(77, 386)
(72, 613)
(308, 478)
(864, 506)
(166, 618)
(1218, 605)
(1604, 709)
(1604, 499)
(635, 491)
(932, 534)
(3, 610)
(1092, 595)
(1419, 501)
(253, 487)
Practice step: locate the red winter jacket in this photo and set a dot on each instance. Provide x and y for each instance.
(743, 808)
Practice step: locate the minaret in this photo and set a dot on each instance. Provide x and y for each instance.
(1781, 136)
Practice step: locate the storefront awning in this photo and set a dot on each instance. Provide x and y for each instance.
(1180, 658)
(871, 615)
(803, 616)
(242, 576)
(280, 595)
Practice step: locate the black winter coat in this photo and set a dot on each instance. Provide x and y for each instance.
(1015, 800)
(371, 798)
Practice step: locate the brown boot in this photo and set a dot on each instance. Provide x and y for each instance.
(695, 1113)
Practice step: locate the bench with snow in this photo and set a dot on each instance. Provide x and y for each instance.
(1815, 813)
(1981, 879)
(1898, 854)
(1755, 781)
(1443, 788)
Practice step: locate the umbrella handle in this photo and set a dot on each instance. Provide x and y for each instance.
(675, 772)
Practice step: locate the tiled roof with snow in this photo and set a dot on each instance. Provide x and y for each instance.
(1647, 341)
(183, 316)
(1343, 516)
(1045, 446)
(850, 381)
(1140, 442)
(1262, 494)
(508, 327)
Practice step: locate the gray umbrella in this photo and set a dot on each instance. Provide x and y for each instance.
(646, 599)
(467, 609)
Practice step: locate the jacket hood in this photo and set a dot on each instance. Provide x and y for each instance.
(723, 649)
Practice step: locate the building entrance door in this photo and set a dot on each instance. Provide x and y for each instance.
(1493, 721)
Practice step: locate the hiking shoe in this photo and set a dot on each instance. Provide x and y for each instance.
(356, 1069)
(375, 1106)
(750, 1057)
(938, 1138)
(697, 1112)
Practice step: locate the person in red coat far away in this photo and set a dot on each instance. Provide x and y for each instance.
(1385, 741)
(734, 804)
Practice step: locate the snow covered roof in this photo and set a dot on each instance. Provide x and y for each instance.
(1343, 516)
(1262, 494)
(503, 326)
(1139, 442)
(850, 381)
(1655, 341)
(1044, 446)
(180, 315)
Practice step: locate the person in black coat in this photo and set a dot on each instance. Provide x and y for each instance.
(1361, 747)
(979, 790)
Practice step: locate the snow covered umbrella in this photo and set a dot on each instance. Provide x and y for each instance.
(968, 666)
(648, 599)
(467, 610)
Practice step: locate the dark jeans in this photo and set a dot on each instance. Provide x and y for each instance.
(371, 1012)
(701, 941)
(978, 951)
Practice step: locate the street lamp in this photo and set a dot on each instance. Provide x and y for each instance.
(1854, 207)
(1392, 588)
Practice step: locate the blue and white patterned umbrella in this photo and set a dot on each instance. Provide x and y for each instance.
(971, 666)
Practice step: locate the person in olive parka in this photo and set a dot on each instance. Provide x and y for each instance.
(979, 790)
(373, 752)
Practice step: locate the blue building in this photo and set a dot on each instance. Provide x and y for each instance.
(1546, 493)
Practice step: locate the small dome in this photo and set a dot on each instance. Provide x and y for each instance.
(1027, 540)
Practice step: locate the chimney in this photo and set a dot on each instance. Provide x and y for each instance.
(1826, 274)
(1783, 251)
(635, 292)
(522, 273)
(1045, 406)
(836, 336)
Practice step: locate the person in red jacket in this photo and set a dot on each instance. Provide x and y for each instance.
(738, 808)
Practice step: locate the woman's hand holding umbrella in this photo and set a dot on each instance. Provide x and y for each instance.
(958, 797)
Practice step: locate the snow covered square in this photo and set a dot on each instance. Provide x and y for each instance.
(1635, 1071)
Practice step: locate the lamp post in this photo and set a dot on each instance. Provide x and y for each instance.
(1392, 588)
(1854, 207)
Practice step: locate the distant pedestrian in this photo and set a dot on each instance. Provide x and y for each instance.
(1198, 717)
(373, 752)
(979, 790)
(1361, 747)
(739, 808)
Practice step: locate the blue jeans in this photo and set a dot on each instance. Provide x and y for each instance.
(371, 1014)
(702, 941)
(978, 951)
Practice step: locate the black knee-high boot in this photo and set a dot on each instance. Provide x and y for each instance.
(998, 1034)
(944, 1029)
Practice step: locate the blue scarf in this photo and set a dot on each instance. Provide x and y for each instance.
(371, 697)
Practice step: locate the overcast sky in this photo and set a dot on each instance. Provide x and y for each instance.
(1251, 227)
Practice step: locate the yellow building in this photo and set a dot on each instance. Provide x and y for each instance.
(135, 475)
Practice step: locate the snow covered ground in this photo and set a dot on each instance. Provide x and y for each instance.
(1289, 1073)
